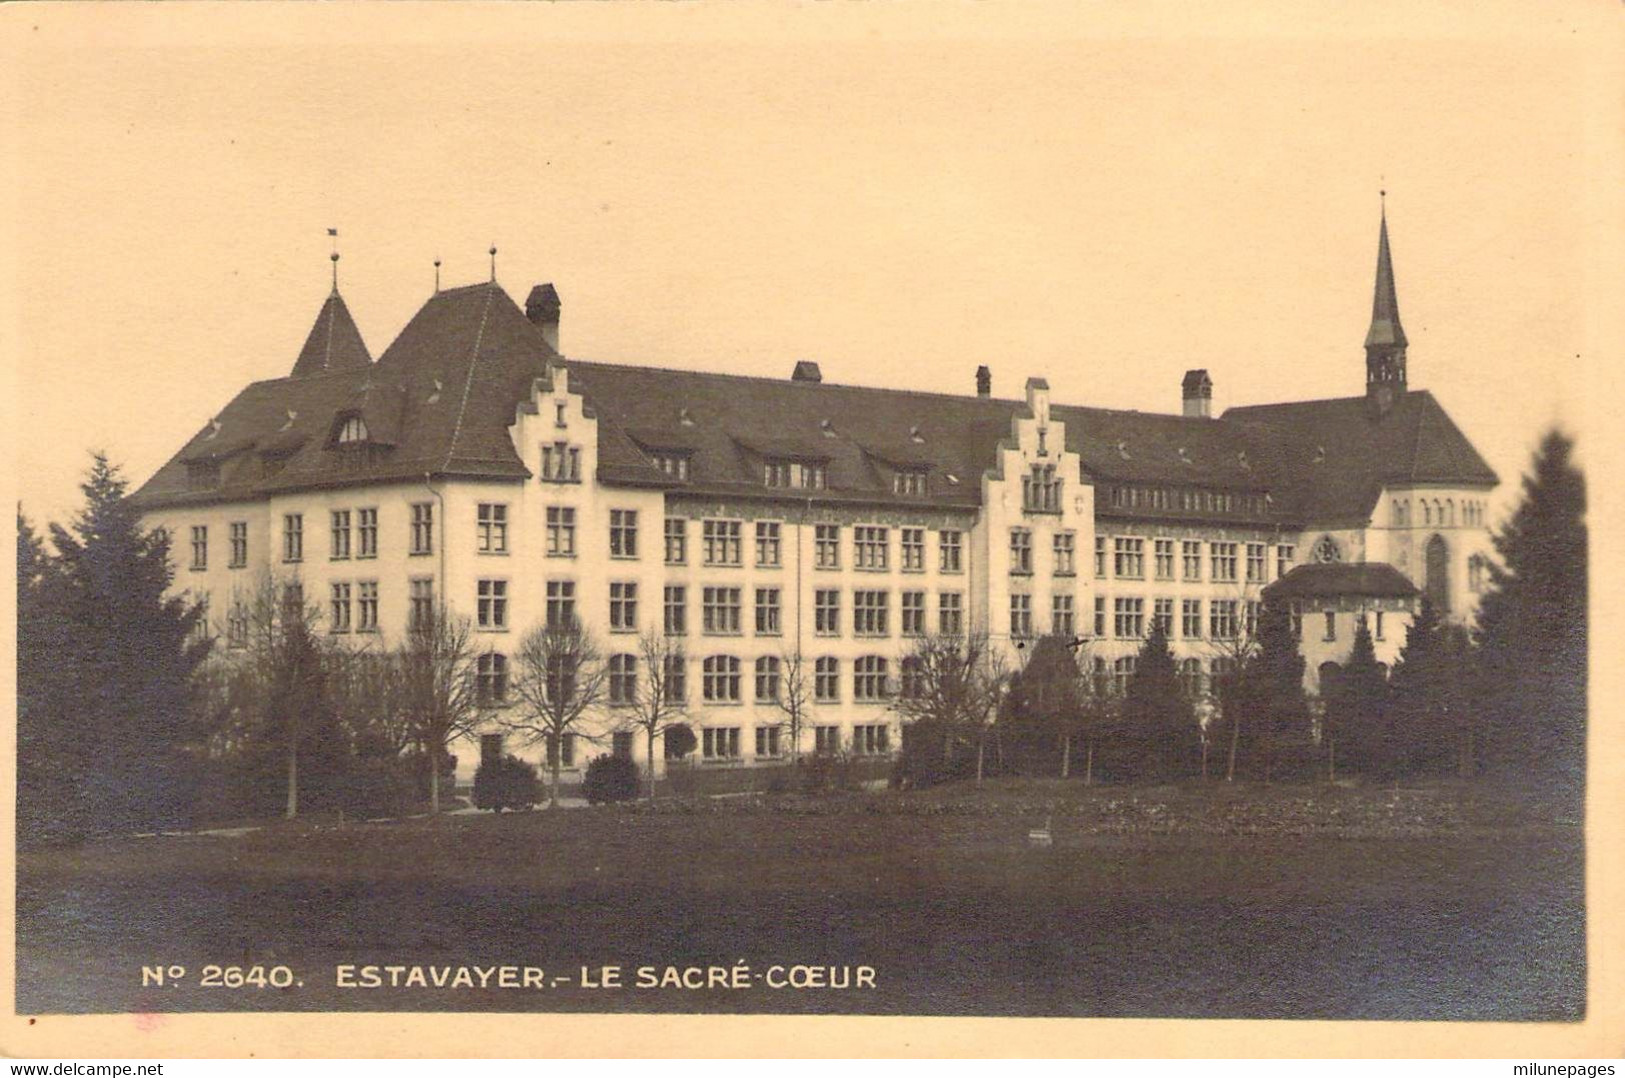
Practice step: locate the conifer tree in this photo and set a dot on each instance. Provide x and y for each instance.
(1157, 716)
(1271, 691)
(1532, 628)
(133, 650)
(1355, 707)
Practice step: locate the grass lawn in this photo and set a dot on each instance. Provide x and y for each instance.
(1303, 902)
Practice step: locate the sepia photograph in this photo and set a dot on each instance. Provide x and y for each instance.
(928, 511)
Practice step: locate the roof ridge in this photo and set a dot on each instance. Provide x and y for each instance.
(468, 383)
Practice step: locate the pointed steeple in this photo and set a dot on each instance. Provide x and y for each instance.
(334, 343)
(1385, 341)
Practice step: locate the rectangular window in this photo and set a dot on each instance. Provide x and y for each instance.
(676, 610)
(1021, 551)
(1191, 619)
(1249, 618)
(1255, 563)
(767, 678)
(1063, 618)
(422, 528)
(340, 547)
(912, 610)
(827, 546)
(719, 611)
(293, 537)
(1331, 625)
(1100, 557)
(1162, 611)
(827, 680)
(621, 745)
(623, 533)
(1066, 554)
(721, 542)
(1041, 490)
(826, 740)
(237, 626)
(721, 681)
(561, 604)
(491, 687)
(561, 463)
(676, 687)
(239, 544)
(366, 612)
(1191, 555)
(1283, 559)
(769, 545)
(1021, 616)
(561, 750)
(492, 604)
(366, 533)
(339, 608)
(420, 612)
(869, 678)
(200, 546)
(676, 541)
(912, 549)
(869, 610)
(1378, 631)
(1100, 616)
(908, 482)
(1128, 558)
(871, 739)
(673, 464)
(623, 679)
(720, 742)
(808, 475)
(1224, 562)
(1221, 619)
(869, 547)
(950, 551)
(561, 531)
(1164, 549)
(767, 612)
(767, 741)
(491, 529)
(1128, 621)
(623, 607)
(951, 613)
(827, 612)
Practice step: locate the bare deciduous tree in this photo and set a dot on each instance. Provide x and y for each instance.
(957, 684)
(657, 702)
(438, 691)
(795, 699)
(559, 682)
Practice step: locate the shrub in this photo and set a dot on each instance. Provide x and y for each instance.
(680, 741)
(505, 783)
(610, 779)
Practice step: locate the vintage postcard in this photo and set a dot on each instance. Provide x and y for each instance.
(624, 517)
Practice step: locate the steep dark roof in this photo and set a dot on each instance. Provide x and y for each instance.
(334, 342)
(1372, 579)
(1334, 456)
(1385, 328)
(442, 397)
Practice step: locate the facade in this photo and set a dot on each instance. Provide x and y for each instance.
(763, 523)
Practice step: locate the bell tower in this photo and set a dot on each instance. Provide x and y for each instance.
(1385, 340)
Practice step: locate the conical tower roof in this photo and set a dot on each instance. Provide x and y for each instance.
(334, 343)
(1385, 328)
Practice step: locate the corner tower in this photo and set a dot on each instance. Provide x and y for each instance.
(1385, 340)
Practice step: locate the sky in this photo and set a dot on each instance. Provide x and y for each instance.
(1103, 197)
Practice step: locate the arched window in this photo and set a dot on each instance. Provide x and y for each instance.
(913, 676)
(767, 677)
(1123, 672)
(1427, 512)
(1190, 677)
(1450, 512)
(1437, 586)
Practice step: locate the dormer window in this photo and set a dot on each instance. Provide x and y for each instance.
(1041, 490)
(353, 430)
(806, 475)
(909, 481)
(672, 463)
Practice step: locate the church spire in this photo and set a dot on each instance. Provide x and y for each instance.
(1385, 341)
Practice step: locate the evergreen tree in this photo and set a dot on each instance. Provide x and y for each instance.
(1532, 628)
(1431, 727)
(132, 650)
(48, 776)
(1355, 707)
(1158, 719)
(1275, 734)
(1041, 710)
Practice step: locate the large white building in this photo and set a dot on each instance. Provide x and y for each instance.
(759, 518)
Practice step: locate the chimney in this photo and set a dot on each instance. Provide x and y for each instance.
(806, 371)
(1197, 389)
(984, 382)
(542, 308)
